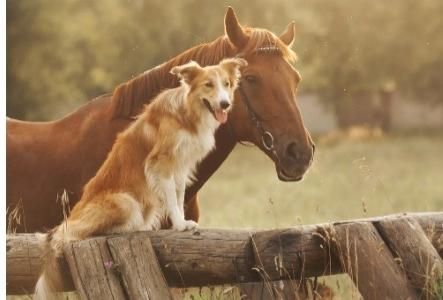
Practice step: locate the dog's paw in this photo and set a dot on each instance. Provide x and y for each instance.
(190, 224)
(185, 225)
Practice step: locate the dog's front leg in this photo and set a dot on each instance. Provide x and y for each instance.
(180, 187)
(175, 213)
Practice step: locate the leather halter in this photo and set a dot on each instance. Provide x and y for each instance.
(267, 139)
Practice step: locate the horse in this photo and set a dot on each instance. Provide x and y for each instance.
(48, 160)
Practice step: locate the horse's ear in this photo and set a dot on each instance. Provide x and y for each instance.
(187, 72)
(234, 31)
(232, 66)
(288, 35)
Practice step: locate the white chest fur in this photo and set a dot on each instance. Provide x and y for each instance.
(192, 148)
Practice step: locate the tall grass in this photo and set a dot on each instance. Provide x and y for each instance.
(347, 180)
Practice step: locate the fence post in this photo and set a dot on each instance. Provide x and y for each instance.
(121, 267)
(368, 261)
(418, 257)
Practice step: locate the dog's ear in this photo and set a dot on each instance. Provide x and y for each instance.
(187, 72)
(232, 66)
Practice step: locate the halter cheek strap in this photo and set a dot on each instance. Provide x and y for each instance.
(267, 139)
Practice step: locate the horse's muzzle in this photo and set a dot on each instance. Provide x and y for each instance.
(294, 160)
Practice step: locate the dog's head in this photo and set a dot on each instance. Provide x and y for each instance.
(212, 87)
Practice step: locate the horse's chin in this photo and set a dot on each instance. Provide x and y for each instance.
(282, 176)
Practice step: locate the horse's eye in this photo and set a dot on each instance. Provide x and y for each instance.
(209, 84)
(251, 79)
(227, 84)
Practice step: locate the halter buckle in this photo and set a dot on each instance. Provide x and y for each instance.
(267, 140)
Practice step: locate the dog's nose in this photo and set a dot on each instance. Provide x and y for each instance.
(224, 104)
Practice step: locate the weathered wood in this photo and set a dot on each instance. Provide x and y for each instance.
(291, 253)
(419, 259)
(209, 257)
(431, 223)
(93, 276)
(196, 258)
(140, 271)
(23, 263)
(368, 261)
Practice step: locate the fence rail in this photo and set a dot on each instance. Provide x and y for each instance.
(213, 256)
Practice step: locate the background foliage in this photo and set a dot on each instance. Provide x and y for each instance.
(63, 53)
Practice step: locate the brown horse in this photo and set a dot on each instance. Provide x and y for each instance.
(46, 158)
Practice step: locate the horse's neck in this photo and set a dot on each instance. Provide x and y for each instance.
(129, 97)
(225, 143)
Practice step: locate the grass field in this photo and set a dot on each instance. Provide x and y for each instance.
(351, 179)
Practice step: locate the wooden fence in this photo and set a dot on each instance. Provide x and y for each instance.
(391, 257)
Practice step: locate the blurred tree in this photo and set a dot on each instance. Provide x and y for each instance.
(63, 53)
(363, 51)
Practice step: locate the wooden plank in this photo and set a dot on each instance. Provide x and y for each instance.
(92, 271)
(141, 273)
(204, 257)
(431, 223)
(292, 253)
(210, 257)
(368, 261)
(24, 263)
(418, 257)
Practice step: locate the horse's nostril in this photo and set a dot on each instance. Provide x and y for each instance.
(291, 151)
(313, 148)
(224, 104)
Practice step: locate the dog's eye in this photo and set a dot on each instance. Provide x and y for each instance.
(209, 84)
(227, 83)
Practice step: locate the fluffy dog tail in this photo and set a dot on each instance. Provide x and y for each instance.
(51, 279)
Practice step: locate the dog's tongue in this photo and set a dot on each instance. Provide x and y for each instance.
(221, 116)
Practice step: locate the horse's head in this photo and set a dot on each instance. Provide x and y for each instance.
(265, 112)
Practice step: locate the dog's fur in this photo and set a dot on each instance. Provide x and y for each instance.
(143, 180)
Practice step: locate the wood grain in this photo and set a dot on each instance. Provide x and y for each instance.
(210, 257)
(367, 260)
(417, 256)
(140, 271)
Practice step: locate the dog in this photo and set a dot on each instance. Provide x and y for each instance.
(142, 182)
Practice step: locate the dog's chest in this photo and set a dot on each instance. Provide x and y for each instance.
(194, 147)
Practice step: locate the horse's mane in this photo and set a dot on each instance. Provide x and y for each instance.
(129, 97)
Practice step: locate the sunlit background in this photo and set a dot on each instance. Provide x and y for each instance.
(371, 94)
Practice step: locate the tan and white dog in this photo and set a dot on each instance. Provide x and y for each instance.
(142, 182)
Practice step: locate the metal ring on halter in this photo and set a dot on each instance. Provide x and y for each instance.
(267, 140)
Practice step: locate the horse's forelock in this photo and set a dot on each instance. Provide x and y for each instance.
(264, 39)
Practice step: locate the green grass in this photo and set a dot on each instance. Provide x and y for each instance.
(347, 180)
